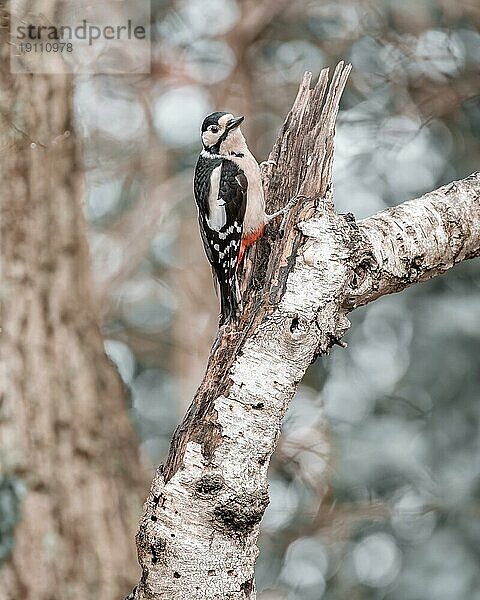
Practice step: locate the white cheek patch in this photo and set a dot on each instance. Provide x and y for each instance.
(210, 139)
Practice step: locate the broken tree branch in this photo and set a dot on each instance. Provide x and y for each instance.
(418, 240)
(197, 538)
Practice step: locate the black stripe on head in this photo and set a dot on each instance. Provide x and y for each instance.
(212, 120)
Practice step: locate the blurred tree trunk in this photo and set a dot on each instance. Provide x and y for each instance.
(70, 473)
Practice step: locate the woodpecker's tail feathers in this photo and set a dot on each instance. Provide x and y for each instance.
(230, 301)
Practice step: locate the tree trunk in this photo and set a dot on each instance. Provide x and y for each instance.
(70, 472)
(197, 539)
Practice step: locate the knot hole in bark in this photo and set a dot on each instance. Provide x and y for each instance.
(294, 324)
(415, 268)
(209, 484)
(239, 514)
(366, 266)
(298, 326)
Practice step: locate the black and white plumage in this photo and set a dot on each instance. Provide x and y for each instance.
(231, 208)
(220, 191)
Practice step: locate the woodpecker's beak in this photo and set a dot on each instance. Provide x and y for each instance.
(234, 123)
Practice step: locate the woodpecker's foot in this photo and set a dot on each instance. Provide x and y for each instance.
(285, 212)
(267, 163)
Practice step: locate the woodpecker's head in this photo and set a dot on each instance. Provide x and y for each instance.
(221, 134)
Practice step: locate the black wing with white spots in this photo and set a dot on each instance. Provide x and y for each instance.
(220, 188)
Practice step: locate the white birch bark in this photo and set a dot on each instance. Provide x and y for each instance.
(197, 538)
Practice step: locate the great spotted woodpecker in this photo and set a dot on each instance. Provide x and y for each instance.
(231, 205)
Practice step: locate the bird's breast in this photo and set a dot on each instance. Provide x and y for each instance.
(255, 217)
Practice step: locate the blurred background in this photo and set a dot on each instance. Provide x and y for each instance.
(385, 433)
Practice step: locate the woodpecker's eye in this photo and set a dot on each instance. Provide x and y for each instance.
(214, 129)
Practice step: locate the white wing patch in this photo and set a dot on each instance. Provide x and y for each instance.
(218, 215)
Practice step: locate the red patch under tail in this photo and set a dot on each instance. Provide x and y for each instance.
(248, 240)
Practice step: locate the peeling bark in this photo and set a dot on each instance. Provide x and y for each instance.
(197, 538)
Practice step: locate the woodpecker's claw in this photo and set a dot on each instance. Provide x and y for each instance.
(285, 211)
(267, 163)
